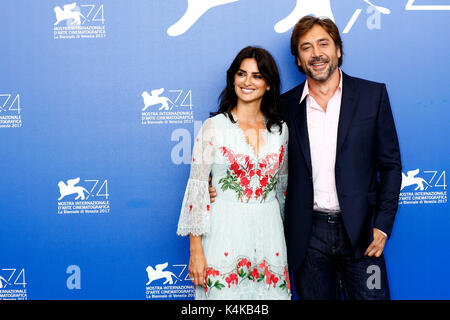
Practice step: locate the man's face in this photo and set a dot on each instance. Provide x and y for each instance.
(318, 55)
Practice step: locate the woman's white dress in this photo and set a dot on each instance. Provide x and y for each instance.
(242, 230)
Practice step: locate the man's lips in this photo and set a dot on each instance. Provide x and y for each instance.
(318, 65)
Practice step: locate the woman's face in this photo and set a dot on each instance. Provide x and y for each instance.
(249, 84)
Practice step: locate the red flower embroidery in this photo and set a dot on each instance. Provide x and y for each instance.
(242, 170)
(244, 181)
(262, 265)
(239, 173)
(254, 274)
(231, 279)
(229, 154)
(234, 166)
(288, 283)
(263, 182)
(280, 158)
(273, 280)
(207, 207)
(267, 275)
(190, 208)
(260, 272)
(244, 262)
(212, 272)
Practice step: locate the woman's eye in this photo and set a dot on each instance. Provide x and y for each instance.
(240, 74)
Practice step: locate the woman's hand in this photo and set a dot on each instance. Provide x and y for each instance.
(197, 262)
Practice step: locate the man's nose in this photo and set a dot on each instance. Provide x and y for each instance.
(316, 52)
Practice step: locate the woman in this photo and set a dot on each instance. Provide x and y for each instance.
(237, 242)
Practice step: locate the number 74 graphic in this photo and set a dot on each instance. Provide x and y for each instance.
(5, 282)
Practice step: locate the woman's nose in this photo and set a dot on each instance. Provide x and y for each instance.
(247, 80)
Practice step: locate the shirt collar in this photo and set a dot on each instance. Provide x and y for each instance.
(306, 87)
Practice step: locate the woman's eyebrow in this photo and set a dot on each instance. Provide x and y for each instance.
(252, 72)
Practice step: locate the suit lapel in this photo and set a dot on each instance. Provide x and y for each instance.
(301, 129)
(348, 108)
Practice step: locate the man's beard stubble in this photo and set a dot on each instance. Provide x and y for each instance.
(332, 66)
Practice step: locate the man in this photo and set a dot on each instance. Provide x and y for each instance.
(344, 172)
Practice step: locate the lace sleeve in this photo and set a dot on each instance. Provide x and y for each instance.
(195, 210)
(283, 173)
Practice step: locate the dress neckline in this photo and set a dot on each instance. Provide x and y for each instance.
(245, 140)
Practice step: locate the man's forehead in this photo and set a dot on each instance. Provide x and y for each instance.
(316, 33)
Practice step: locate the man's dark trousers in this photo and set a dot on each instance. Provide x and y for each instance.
(329, 266)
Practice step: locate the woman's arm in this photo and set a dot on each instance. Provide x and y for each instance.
(197, 261)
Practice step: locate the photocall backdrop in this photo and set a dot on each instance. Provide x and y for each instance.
(100, 102)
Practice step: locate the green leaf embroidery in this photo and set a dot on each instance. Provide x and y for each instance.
(261, 277)
(218, 285)
(232, 183)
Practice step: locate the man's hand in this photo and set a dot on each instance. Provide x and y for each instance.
(212, 192)
(377, 245)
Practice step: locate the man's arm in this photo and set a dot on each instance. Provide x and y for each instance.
(389, 168)
(388, 165)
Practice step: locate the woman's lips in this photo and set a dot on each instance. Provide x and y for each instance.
(247, 91)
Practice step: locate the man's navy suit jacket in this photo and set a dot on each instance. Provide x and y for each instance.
(367, 170)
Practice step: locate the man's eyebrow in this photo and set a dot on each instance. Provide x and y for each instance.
(318, 40)
(304, 43)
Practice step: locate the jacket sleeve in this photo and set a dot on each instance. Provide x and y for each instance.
(388, 165)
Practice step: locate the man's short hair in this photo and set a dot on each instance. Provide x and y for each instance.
(305, 24)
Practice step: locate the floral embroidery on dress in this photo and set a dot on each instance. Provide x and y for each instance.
(245, 272)
(249, 179)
